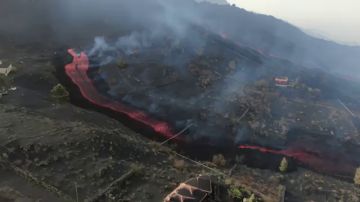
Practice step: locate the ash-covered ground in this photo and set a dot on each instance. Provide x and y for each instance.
(57, 151)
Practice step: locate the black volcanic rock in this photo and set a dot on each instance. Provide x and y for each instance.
(78, 150)
(281, 39)
(264, 33)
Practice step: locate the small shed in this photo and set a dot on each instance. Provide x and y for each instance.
(7, 71)
(281, 81)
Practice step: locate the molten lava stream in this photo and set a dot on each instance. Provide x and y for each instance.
(321, 162)
(77, 71)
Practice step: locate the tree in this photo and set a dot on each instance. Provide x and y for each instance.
(59, 92)
(283, 165)
(357, 176)
(235, 192)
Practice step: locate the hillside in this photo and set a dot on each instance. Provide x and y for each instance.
(281, 39)
(221, 2)
(129, 100)
(265, 33)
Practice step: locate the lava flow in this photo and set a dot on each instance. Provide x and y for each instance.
(77, 71)
(325, 161)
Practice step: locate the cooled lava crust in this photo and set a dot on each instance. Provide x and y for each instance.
(80, 72)
(200, 91)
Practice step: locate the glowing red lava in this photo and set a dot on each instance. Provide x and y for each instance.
(321, 162)
(77, 71)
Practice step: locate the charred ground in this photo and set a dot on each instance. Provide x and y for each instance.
(64, 149)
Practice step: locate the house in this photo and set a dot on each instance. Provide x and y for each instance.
(281, 81)
(7, 71)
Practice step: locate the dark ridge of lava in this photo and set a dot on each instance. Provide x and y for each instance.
(204, 86)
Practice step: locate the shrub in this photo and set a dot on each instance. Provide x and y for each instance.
(122, 64)
(235, 192)
(59, 92)
(137, 168)
(283, 165)
(357, 176)
(219, 160)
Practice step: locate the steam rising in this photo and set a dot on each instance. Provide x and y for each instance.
(187, 29)
(79, 21)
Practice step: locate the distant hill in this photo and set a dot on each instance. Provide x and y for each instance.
(264, 33)
(278, 38)
(221, 2)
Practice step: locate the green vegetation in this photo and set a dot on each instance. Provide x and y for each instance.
(236, 192)
(283, 165)
(219, 160)
(240, 194)
(357, 176)
(59, 93)
(137, 168)
(122, 64)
